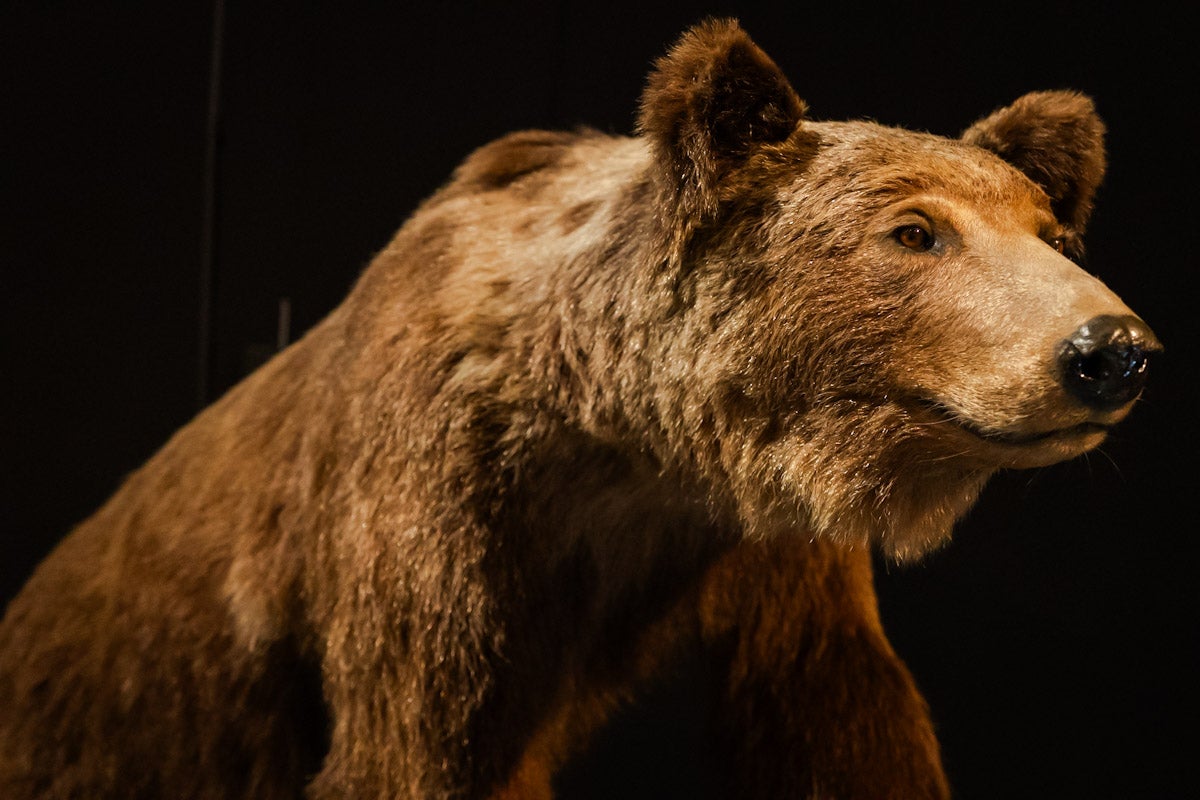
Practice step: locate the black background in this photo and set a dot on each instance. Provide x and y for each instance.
(1053, 638)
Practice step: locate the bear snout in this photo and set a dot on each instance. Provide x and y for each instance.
(1104, 364)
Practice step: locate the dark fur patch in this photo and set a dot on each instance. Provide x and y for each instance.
(577, 216)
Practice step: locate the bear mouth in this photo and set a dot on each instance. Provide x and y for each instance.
(1012, 438)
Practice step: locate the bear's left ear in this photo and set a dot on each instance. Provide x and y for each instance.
(1057, 140)
(708, 103)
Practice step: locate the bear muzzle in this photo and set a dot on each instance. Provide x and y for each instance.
(1095, 375)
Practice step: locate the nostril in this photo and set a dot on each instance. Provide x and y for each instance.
(1104, 363)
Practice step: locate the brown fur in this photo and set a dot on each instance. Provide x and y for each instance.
(602, 401)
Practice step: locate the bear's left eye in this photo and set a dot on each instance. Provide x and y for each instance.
(1059, 243)
(914, 237)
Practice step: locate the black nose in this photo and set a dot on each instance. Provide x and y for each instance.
(1104, 363)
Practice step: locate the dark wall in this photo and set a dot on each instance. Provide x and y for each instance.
(1051, 638)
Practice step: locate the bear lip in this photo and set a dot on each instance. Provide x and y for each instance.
(1012, 437)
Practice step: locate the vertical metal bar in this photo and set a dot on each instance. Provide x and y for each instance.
(283, 324)
(208, 233)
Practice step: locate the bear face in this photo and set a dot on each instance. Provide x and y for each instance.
(882, 317)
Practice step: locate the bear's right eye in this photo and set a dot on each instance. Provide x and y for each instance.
(914, 237)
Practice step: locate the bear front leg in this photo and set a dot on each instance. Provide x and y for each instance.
(816, 703)
(411, 668)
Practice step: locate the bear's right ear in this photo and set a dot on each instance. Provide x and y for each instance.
(708, 103)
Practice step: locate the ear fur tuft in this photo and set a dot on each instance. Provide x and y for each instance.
(708, 103)
(1057, 140)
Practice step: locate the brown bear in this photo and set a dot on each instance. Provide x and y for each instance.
(602, 403)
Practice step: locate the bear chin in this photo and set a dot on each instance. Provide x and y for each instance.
(904, 521)
(828, 478)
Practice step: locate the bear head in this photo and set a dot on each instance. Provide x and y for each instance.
(875, 320)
